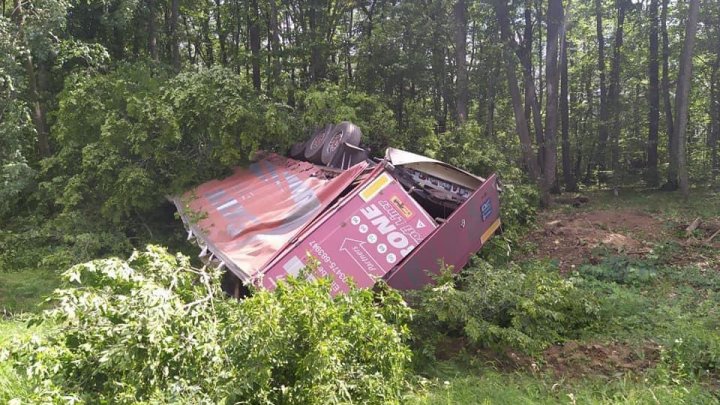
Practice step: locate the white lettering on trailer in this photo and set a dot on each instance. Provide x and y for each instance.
(396, 239)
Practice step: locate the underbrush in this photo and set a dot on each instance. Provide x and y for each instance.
(525, 307)
(457, 382)
(156, 329)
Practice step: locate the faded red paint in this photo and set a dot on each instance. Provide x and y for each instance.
(454, 242)
(373, 229)
(264, 220)
(250, 215)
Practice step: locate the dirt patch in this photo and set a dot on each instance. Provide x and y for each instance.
(572, 238)
(570, 360)
(578, 360)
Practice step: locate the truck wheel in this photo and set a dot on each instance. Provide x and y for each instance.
(314, 148)
(344, 132)
(297, 151)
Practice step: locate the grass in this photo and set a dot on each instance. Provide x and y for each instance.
(12, 383)
(457, 383)
(24, 291)
(702, 203)
(675, 306)
(21, 293)
(651, 300)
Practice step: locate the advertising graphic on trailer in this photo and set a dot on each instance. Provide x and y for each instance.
(366, 238)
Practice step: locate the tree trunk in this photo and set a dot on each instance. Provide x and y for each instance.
(714, 137)
(220, 33)
(614, 103)
(520, 122)
(348, 45)
(317, 56)
(567, 166)
(254, 34)
(490, 113)
(275, 42)
(532, 102)
(460, 15)
(600, 156)
(38, 112)
(207, 39)
(552, 79)
(652, 178)
(174, 40)
(672, 180)
(152, 31)
(682, 93)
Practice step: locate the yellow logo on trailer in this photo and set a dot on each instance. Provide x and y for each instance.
(375, 187)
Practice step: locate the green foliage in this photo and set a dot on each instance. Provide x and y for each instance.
(621, 270)
(130, 138)
(155, 329)
(695, 352)
(33, 243)
(459, 383)
(526, 308)
(330, 103)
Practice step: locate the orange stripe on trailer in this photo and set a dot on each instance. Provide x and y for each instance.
(490, 231)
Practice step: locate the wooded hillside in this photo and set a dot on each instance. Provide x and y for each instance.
(572, 92)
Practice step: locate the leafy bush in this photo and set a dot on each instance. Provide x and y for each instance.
(526, 308)
(692, 344)
(129, 138)
(331, 104)
(155, 329)
(621, 270)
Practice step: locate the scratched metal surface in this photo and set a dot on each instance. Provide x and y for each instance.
(248, 217)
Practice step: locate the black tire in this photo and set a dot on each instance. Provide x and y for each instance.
(344, 132)
(297, 151)
(315, 146)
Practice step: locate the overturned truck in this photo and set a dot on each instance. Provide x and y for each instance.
(398, 218)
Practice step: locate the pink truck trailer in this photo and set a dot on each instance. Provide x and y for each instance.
(396, 218)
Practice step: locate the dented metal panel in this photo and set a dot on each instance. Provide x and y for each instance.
(372, 230)
(245, 219)
(456, 240)
(396, 220)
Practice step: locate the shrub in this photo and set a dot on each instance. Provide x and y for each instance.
(621, 270)
(155, 329)
(525, 308)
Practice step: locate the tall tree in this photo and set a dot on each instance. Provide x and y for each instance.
(460, 17)
(552, 77)
(682, 94)
(254, 34)
(38, 109)
(672, 174)
(174, 37)
(653, 97)
(521, 125)
(614, 101)
(600, 154)
(275, 46)
(532, 101)
(152, 30)
(714, 136)
(567, 166)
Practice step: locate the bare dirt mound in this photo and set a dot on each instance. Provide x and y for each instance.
(573, 238)
(571, 359)
(577, 360)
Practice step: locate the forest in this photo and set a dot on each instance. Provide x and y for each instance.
(601, 119)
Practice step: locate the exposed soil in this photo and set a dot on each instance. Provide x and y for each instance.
(574, 238)
(570, 360)
(578, 360)
(577, 237)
